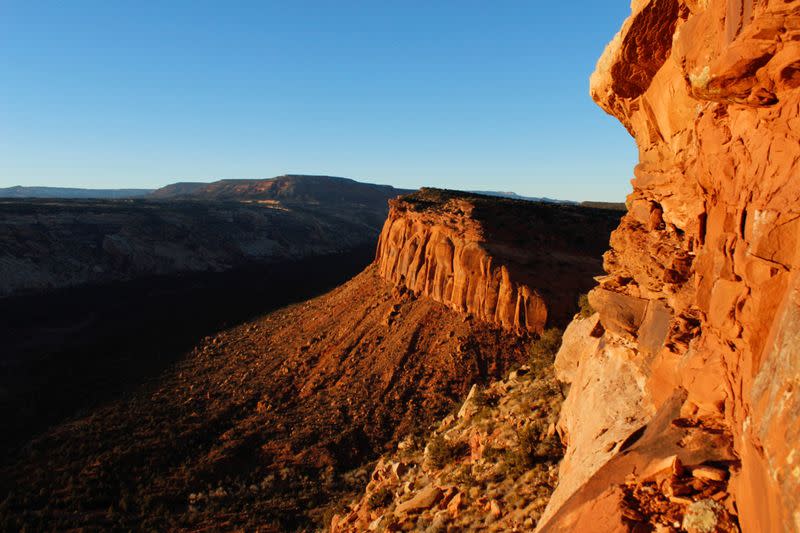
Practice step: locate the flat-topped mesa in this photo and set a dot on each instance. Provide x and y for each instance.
(699, 364)
(520, 265)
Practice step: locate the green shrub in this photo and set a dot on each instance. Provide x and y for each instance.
(463, 476)
(442, 452)
(585, 309)
(542, 351)
(380, 498)
(533, 447)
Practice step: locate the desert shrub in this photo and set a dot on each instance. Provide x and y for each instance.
(493, 454)
(534, 447)
(542, 351)
(463, 476)
(380, 498)
(482, 399)
(585, 309)
(442, 452)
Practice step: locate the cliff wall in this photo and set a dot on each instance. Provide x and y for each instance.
(519, 265)
(695, 417)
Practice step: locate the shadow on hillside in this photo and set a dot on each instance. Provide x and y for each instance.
(67, 351)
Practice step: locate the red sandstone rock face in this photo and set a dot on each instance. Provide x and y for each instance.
(701, 302)
(447, 263)
(458, 250)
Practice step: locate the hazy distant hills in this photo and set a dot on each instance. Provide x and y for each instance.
(295, 188)
(515, 196)
(71, 192)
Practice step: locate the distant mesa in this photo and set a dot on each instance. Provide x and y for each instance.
(290, 187)
(179, 189)
(287, 188)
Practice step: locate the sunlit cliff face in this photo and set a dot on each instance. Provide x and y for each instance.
(710, 90)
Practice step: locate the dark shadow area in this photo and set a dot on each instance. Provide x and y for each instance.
(67, 351)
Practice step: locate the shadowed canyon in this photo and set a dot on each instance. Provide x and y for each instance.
(270, 422)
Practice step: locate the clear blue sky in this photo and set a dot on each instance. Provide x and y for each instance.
(462, 94)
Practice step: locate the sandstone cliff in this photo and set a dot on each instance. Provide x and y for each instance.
(695, 418)
(520, 265)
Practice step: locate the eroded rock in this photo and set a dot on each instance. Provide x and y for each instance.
(700, 303)
(470, 253)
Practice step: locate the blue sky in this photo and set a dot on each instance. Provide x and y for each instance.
(461, 94)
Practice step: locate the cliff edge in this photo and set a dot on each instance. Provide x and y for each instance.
(694, 422)
(519, 265)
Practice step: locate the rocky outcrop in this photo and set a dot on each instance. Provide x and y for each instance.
(692, 360)
(491, 466)
(520, 265)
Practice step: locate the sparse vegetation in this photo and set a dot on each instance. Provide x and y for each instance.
(463, 476)
(534, 446)
(585, 309)
(542, 351)
(442, 452)
(381, 498)
(482, 399)
(511, 471)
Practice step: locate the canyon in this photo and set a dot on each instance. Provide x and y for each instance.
(432, 391)
(48, 244)
(272, 421)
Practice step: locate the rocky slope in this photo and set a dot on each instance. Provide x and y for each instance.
(259, 425)
(49, 244)
(684, 410)
(490, 467)
(520, 265)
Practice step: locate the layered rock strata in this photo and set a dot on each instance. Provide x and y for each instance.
(54, 244)
(685, 393)
(519, 265)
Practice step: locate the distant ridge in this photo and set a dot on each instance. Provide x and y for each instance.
(173, 190)
(19, 191)
(286, 188)
(515, 196)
